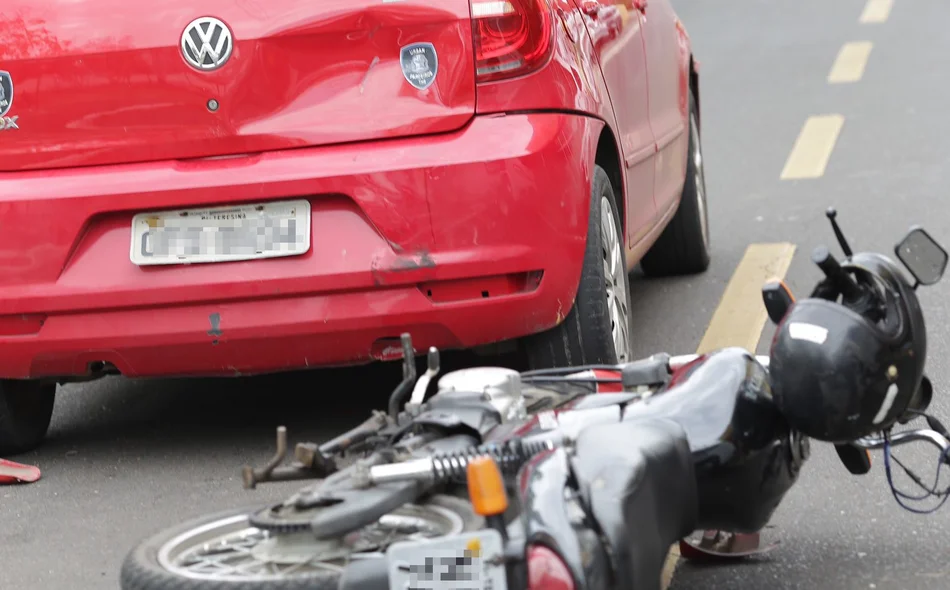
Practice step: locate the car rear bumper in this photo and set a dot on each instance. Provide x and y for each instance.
(461, 239)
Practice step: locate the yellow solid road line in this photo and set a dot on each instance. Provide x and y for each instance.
(876, 11)
(850, 63)
(739, 320)
(813, 148)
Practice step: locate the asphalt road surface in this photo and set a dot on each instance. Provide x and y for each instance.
(769, 72)
(787, 132)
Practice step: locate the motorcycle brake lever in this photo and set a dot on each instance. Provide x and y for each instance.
(936, 425)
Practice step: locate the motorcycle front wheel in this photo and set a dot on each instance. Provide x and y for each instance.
(223, 551)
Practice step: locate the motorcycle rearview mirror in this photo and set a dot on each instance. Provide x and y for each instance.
(923, 257)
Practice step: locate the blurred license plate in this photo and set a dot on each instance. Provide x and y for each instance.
(464, 562)
(245, 232)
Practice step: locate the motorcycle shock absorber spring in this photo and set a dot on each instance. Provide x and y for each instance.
(452, 466)
(510, 457)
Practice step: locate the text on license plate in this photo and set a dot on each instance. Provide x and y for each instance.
(470, 561)
(245, 232)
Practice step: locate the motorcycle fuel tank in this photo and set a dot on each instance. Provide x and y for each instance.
(745, 455)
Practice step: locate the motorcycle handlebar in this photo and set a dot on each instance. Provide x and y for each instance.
(679, 361)
(907, 436)
(871, 443)
(832, 269)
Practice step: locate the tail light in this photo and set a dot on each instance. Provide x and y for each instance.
(546, 571)
(512, 37)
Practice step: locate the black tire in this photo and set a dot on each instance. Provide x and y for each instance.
(585, 335)
(683, 247)
(141, 569)
(25, 411)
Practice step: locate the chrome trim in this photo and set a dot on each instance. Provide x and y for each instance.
(900, 438)
(677, 362)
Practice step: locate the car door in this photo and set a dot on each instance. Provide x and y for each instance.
(615, 31)
(668, 84)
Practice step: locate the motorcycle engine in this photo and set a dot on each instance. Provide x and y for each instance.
(502, 388)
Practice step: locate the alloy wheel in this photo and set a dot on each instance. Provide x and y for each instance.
(699, 179)
(615, 270)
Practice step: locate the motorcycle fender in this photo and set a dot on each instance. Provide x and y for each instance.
(551, 518)
(637, 481)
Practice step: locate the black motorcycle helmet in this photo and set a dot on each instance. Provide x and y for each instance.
(839, 375)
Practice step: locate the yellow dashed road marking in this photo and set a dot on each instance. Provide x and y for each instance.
(738, 321)
(850, 63)
(741, 315)
(669, 567)
(813, 147)
(624, 13)
(876, 11)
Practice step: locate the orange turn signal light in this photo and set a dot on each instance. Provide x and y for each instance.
(486, 488)
(784, 287)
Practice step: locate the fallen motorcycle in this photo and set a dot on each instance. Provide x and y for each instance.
(581, 477)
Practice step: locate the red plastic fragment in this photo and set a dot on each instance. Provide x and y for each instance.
(12, 472)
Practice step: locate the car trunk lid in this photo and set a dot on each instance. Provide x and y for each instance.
(102, 82)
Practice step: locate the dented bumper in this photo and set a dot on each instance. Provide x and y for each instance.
(461, 239)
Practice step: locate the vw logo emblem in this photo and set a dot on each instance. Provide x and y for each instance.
(206, 43)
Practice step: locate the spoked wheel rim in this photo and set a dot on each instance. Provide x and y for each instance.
(699, 179)
(615, 269)
(231, 549)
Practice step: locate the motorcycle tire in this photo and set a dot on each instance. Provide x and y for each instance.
(143, 569)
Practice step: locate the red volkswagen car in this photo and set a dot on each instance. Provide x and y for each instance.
(233, 187)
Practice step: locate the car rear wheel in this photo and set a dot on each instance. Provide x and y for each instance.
(683, 247)
(597, 328)
(25, 411)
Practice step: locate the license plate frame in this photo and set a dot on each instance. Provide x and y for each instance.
(409, 560)
(213, 230)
